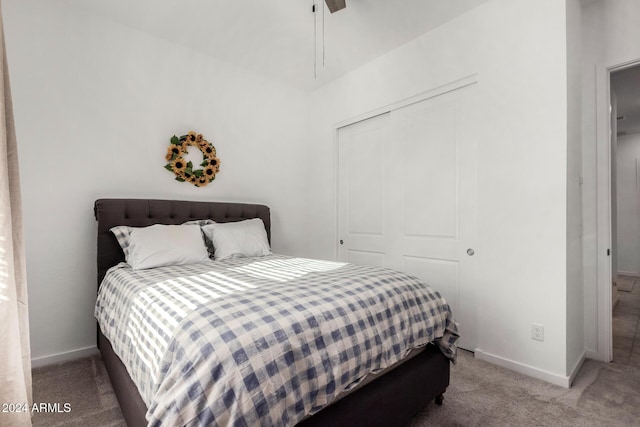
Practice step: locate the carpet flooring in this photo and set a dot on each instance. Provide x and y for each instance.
(85, 385)
(480, 394)
(626, 327)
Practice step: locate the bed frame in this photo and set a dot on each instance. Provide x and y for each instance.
(390, 400)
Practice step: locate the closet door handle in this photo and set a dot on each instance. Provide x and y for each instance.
(470, 252)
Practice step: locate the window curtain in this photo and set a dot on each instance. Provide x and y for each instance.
(15, 352)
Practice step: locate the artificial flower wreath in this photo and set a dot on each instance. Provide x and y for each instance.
(184, 170)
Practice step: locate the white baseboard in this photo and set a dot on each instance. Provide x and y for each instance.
(576, 367)
(628, 273)
(550, 377)
(52, 359)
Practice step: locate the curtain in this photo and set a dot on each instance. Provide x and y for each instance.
(15, 352)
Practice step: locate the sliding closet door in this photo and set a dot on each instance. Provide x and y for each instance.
(406, 201)
(363, 174)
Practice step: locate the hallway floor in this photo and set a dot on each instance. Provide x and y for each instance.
(626, 331)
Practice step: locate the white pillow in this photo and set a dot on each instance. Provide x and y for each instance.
(122, 233)
(238, 239)
(162, 245)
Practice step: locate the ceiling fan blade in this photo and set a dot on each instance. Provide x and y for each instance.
(335, 5)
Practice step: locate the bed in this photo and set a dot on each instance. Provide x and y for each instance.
(389, 397)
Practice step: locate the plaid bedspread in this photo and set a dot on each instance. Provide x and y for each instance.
(262, 341)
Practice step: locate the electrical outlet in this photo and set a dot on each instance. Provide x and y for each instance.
(537, 332)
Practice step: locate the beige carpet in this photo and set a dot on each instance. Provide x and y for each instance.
(480, 394)
(84, 384)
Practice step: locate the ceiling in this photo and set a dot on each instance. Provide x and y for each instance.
(276, 38)
(626, 84)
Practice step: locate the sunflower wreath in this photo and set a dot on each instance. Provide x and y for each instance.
(183, 169)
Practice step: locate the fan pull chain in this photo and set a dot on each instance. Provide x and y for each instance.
(315, 42)
(314, 10)
(322, 36)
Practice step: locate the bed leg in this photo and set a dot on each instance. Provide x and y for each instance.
(440, 398)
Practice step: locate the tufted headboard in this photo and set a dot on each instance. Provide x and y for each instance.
(143, 212)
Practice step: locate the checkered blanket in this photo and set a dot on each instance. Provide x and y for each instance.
(262, 341)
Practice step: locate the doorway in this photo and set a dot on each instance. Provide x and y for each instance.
(625, 213)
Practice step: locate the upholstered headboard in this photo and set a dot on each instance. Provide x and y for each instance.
(143, 212)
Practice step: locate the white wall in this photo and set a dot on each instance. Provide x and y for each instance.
(95, 106)
(575, 290)
(518, 50)
(592, 48)
(628, 204)
(611, 30)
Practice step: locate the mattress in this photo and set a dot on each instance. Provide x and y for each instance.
(263, 341)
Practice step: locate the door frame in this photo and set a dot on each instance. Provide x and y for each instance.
(422, 96)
